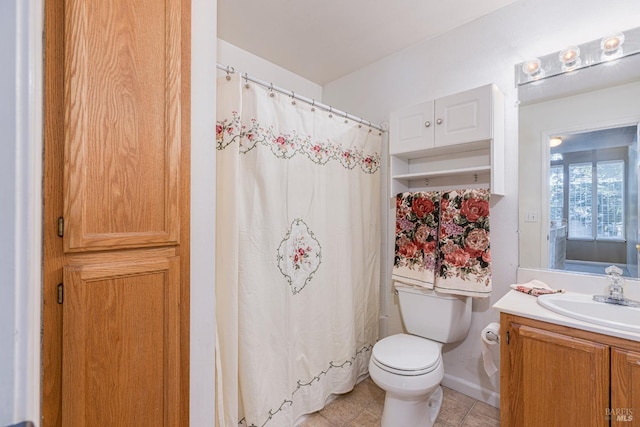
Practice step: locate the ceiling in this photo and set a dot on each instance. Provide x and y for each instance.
(597, 139)
(323, 40)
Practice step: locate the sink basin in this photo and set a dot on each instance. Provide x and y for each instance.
(583, 307)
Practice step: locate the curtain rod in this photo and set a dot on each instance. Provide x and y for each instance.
(231, 70)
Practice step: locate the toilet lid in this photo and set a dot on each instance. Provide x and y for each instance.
(406, 354)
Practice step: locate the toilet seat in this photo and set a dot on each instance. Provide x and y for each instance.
(406, 355)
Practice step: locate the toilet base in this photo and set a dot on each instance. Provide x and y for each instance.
(412, 412)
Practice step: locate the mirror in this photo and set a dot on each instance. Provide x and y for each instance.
(578, 201)
(592, 196)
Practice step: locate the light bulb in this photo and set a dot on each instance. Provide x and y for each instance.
(570, 58)
(612, 43)
(533, 68)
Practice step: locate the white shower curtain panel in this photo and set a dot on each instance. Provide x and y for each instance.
(297, 255)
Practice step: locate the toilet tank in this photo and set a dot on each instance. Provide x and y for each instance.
(433, 315)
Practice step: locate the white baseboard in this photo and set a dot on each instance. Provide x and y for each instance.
(473, 390)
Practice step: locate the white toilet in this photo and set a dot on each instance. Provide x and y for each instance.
(409, 367)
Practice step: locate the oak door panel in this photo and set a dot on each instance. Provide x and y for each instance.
(625, 388)
(121, 343)
(122, 103)
(545, 366)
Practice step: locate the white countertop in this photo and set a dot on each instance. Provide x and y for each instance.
(521, 304)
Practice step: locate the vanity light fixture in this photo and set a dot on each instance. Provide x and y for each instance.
(555, 141)
(605, 50)
(570, 58)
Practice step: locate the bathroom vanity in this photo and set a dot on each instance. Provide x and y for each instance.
(557, 371)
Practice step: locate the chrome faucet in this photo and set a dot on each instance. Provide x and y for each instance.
(616, 291)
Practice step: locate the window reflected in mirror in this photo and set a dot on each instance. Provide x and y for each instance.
(593, 200)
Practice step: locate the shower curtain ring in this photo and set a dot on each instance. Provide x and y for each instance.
(293, 98)
(230, 70)
(360, 124)
(246, 81)
(346, 117)
(313, 105)
(330, 111)
(271, 90)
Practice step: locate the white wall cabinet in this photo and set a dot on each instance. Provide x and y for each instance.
(454, 141)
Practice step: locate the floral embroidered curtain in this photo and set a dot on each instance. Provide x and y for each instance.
(297, 255)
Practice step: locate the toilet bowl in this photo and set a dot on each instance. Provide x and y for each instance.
(408, 366)
(409, 369)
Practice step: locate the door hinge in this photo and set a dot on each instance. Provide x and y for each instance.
(60, 227)
(60, 293)
(508, 337)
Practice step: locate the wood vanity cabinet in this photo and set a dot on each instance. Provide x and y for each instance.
(552, 375)
(625, 375)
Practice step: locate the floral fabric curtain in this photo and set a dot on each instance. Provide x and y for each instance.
(297, 255)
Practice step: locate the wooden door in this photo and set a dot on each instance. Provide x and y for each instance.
(551, 379)
(116, 213)
(625, 388)
(122, 120)
(464, 117)
(121, 347)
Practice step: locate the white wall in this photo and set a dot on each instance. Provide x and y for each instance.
(20, 212)
(483, 51)
(7, 208)
(203, 219)
(255, 66)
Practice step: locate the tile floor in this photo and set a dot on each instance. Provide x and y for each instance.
(362, 407)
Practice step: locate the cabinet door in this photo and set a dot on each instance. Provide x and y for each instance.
(122, 101)
(625, 388)
(116, 168)
(464, 117)
(411, 129)
(121, 342)
(553, 380)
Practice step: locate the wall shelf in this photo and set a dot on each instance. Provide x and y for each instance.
(447, 172)
(453, 142)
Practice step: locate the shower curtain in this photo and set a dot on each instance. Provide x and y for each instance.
(297, 255)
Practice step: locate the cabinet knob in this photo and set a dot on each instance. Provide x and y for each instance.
(427, 124)
(439, 121)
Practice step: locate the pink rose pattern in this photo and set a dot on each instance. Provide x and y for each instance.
(464, 236)
(416, 230)
(299, 255)
(445, 232)
(287, 145)
(227, 131)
